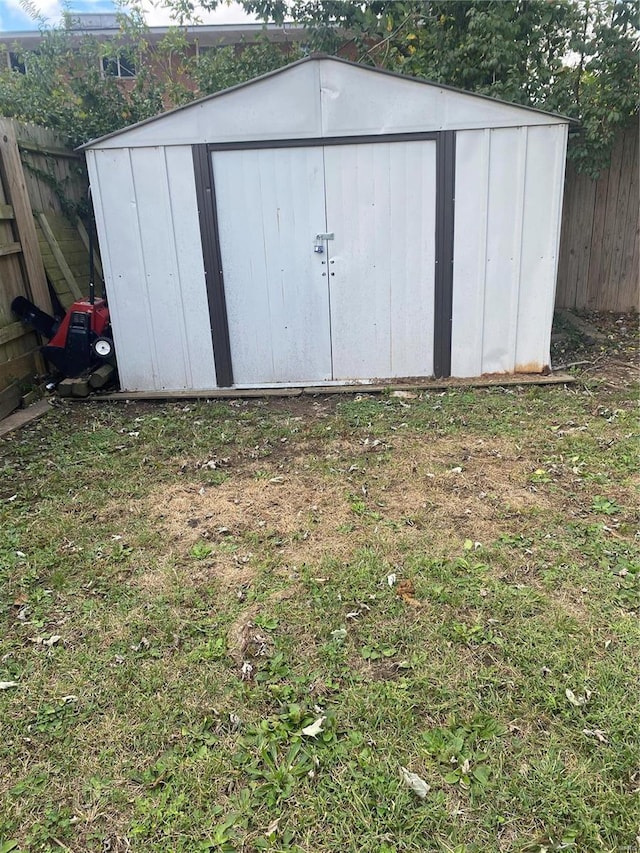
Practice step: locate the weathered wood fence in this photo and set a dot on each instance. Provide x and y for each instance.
(599, 260)
(42, 241)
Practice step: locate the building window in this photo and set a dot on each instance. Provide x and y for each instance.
(16, 62)
(118, 66)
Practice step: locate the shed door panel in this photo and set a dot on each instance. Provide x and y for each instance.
(270, 207)
(381, 206)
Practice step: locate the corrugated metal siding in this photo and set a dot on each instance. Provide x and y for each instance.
(508, 201)
(147, 224)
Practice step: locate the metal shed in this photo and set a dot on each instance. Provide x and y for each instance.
(330, 223)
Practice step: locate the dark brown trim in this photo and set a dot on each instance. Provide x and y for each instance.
(443, 303)
(208, 216)
(316, 141)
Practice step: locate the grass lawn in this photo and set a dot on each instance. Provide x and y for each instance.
(445, 583)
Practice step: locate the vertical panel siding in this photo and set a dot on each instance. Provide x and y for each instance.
(160, 266)
(154, 271)
(381, 207)
(195, 325)
(270, 207)
(508, 197)
(470, 251)
(501, 288)
(117, 226)
(540, 236)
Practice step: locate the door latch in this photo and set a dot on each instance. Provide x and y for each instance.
(318, 246)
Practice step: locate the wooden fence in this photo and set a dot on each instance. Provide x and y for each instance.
(599, 260)
(41, 240)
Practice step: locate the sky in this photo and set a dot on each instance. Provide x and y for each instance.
(13, 17)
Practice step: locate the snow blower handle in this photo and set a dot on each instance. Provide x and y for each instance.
(92, 263)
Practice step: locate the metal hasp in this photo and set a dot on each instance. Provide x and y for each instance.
(318, 246)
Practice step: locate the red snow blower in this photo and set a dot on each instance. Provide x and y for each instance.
(79, 340)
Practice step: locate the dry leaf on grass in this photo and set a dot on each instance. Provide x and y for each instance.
(314, 729)
(413, 781)
(577, 701)
(598, 734)
(405, 590)
(40, 641)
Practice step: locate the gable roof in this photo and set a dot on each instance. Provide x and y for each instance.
(330, 74)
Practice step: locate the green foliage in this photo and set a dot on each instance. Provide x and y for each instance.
(64, 88)
(224, 67)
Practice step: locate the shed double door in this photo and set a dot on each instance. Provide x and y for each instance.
(363, 307)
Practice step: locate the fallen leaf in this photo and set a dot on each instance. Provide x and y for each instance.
(314, 729)
(55, 638)
(339, 634)
(404, 395)
(405, 589)
(596, 733)
(577, 701)
(413, 781)
(7, 685)
(273, 826)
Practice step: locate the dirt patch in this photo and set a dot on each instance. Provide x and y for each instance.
(293, 514)
(614, 357)
(288, 516)
(458, 490)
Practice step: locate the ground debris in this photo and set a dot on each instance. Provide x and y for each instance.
(406, 591)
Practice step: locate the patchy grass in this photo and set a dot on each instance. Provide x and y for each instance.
(218, 578)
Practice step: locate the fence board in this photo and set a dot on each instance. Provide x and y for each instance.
(598, 266)
(15, 187)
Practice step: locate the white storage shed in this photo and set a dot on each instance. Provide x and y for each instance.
(330, 223)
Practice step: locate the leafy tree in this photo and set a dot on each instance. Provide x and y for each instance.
(225, 67)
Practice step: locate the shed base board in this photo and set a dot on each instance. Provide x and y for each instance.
(417, 385)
